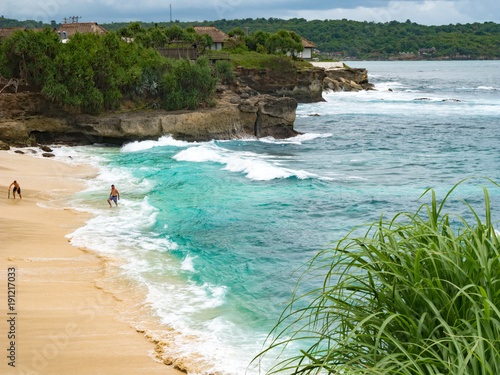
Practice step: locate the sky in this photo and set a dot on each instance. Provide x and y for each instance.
(425, 12)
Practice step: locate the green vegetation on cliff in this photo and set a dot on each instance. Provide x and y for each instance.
(93, 73)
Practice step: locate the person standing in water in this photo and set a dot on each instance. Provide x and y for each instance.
(113, 196)
(16, 188)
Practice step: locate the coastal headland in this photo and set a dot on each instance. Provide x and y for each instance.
(260, 103)
(61, 318)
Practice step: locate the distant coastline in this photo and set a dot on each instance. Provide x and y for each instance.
(418, 58)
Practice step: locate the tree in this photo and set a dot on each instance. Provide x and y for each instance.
(237, 32)
(258, 39)
(28, 55)
(187, 85)
(94, 72)
(284, 42)
(175, 33)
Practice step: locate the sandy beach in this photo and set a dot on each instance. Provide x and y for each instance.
(57, 321)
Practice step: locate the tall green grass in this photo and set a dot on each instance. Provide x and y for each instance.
(267, 61)
(416, 295)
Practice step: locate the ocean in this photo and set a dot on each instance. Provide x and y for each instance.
(208, 236)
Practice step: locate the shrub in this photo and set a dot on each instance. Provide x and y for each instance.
(413, 296)
(188, 85)
(261, 49)
(93, 73)
(236, 45)
(223, 71)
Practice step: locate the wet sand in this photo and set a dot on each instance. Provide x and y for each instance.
(59, 320)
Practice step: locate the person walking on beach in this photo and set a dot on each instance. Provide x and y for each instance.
(16, 188)
(113, 196)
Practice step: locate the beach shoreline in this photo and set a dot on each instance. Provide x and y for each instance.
(56, 318)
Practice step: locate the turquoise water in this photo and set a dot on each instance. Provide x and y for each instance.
(213, 231)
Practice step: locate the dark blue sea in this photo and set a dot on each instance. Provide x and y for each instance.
(208, 235)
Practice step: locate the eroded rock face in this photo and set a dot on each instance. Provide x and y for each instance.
(346, 79)
(28, 118)
(260, 103)
(306, 86)
(274, 117)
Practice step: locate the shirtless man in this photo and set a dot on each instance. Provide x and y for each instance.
(113, 196)
(16, 188)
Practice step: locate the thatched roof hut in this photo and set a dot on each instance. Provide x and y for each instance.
(218, 37)
(82, 28)
(308, 44)
(6, 32)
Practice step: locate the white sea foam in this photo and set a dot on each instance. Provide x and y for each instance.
(77, 155)
(254, 166)
(298, 139)
(130, 232)
(171, 277)
(486, 88)
(204, 343)
(122, 178)
(204, 339)
(385, 86)
(400, 103)
(200, 154)
(146, 145)
(187, 264)
(120, 230)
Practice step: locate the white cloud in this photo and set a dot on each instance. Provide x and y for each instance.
(427, 12)
(421, 11)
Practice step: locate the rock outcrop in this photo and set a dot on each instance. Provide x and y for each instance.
(306, 86)
(260, 103)
(28, 118)
(346, 79)
(4, 146)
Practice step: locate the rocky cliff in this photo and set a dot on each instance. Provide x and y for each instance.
(306, 86)
(28, 118)
(346, 79)
(260, 103)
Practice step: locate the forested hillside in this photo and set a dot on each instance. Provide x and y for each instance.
(372, 40)
(30, 24)
(358, 39)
